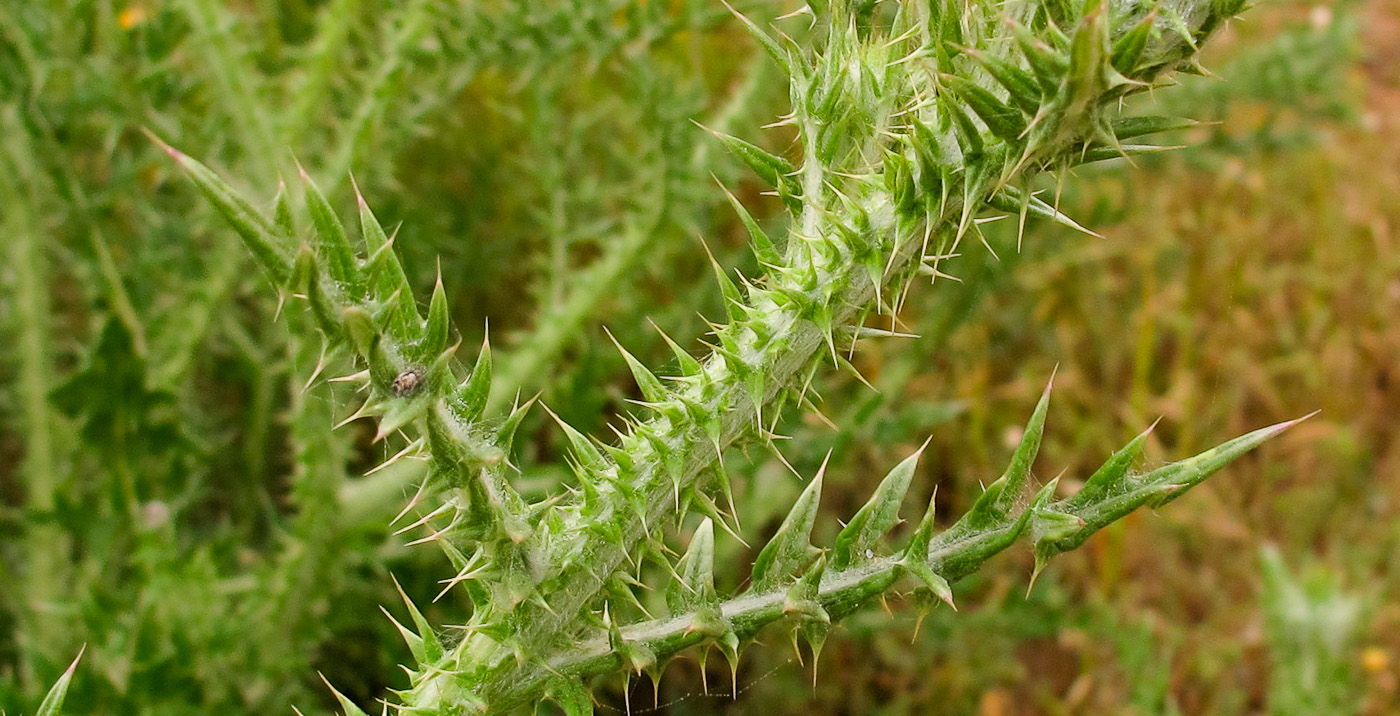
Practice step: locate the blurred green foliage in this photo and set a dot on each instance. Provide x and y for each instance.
(1313, 625)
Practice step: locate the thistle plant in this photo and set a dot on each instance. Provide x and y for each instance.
(917, 122)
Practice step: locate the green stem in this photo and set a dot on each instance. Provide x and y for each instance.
(46, 545)
(956, 554)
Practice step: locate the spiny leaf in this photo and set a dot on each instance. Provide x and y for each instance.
(470, 397)
(969, 137)
(505, 434)
(360, 328)
(898, 178)
(282, 211)
(875, 519)
(333, 242)
(1013, 201)
(1019, 468)
(1004, 122)
(763, 247)
(584, 450)
(1087, 77)
(1020, 84)
(1047, 64)
(259, 235)
(509, 514)
(346, 704)
(636, 656)
(323, 306)
(802, 597)
(689, 366)
(570, 696)
(1160, 486)
(652, 389)
(917, 549)
(930, 580)
(432, 648)
(1171, 481)
(696, 571)
(790, 549)
(387, 280)
(1128, 48)
(1050, 525)
(53, 700)
(769, 45)
(402, 412)
(1111, 476)
(1177, 22)
(414, 642)
(1105, 153)
(1138, 126)
(1047, 525)
(771, 168)
(437, 331)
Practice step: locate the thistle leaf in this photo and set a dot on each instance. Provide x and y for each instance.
(282, 212)
(875, 519)
(969, 137)
(570, 696)
(346, 705)
(931, 580)
(437, 331)
(388, 284)
(323, 306)
(1138, 126)
(689, 366)
(584, 450)
(1021, 85)
(505, 435)
(763, 247)
(1171, 481)
(1155, 488)
(1047, 64)
(261, 236)
(652, 389)
(360, 329)
(414, 642)
(432, 648)
(790, 549)
(1087, 76)
(766, 41)
(333, 243)
(802, 597)
(1112, 475)
(1019, 468)
(470, 398)
(1127, 50)
(1105, 153)
(917, 548)
(775, 170)
(695, 571)
(1013, 201)
(1005, 122)
(52, 704)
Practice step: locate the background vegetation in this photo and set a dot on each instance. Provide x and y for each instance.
(173, 501)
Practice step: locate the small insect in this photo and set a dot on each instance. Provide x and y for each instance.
(407, 382)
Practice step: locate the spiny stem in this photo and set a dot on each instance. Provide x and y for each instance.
(832, 290)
